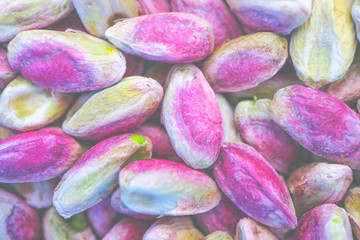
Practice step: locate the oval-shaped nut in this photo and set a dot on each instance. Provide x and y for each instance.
(164, 37)
(37, 194)
(318, 183)
(173, 228)
(99, 15)
(70, 61)
(119, 108)
(17, 219)
(127, 229)
(276, 15)
(355, 13)
(25, 106)
(20, 15)
(95, 175)
(259, 130)
(162, 147)
(218, 235)
(57, 228)
(162, 187)
(248, 229)
(5, 133)
(320, 122)
(120, 207)
(352, 202)
(347, 88)
(134, 66)
(246, 61)
(228, 122)
(152, 6)
(6, 72)
(254, 186)
(101, 217)
(223, 217)
(37, 155)
(192, 117)
(323, 48)
(216, 12)
(326, 222)
(355, 225)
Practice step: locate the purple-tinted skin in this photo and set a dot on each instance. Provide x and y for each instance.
(37, 155)
(320, 122)
(224, 217)
(18, 221)
(101, 217)
(216, 12)
(254, 186)
(145, 7)
(325, 222)
(134, 66)
(120, 207)
(127, 229)
(164, 37)
(6, 72)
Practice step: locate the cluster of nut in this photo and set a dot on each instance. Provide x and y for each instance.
(179, 120)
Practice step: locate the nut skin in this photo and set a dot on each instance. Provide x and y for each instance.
(259, 130)
(19, 15)
(192, 117)
(25, 106)
(216, 12)
(17, 219)
(70, 61)
(37, 156)
(319, 122)
(218, 235)
(326, 222)
(248, 229)
(318, 183)
(146, 7)
(117, 109)
(173, 228)
(323, 48)
(156, 37)
(275, 16)
(254, 186)
(185, 192)
(245, 62)
(6, 72)
(352, 207)
(94, 176)
(127, 229)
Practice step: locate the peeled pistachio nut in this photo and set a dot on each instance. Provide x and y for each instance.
(95, 175)
(323, 48)
(173, 228)
(318, 183)
(134, 66)
(127, 229)
(162, 147)
(117, 109)
(218, 235)
(228, 122)
(355, 225)
(152, 6)
(99, 15)
(245, 62)
(37, 194)
(192, 117)
(355, 13)
(6, 72)
(276, 15)
(320, 122)
(37, 156)
(120, 207)
(223, 217)
(259, 130)
(25, 106)
(266, 89)
(5, 132)
(21, 15)
(57, 228)
(347, 88)
(326, 222)
(164, 37)
(17, 219)
(352, 202)
(248, 229)
(70, 61)
(216, 12)
(166, 188)
(254, 186)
